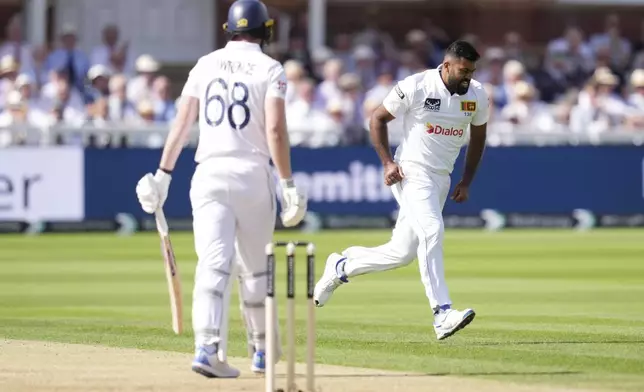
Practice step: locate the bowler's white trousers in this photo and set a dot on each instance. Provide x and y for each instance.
(419, 231)
(233, 207)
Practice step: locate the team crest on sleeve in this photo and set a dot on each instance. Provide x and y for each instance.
(399, 92)
(468, 106)
(281, 86)
(432, 104)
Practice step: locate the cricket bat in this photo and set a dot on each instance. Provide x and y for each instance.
(171, 273)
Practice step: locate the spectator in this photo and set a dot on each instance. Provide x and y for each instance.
(578, 56)
(343, 51)
(514, 47)
(365, 59)
(636, 97)
(164, 108)
(599, 109)
(352, 99)
(525, 109)
(16, 111)
(491, 67)
(303, 114)
(410, 63)
(395, 127)
(66, 109)
(39, 72)
(328, 129)
(99, 114)
(638, 61)
(121, 109)
(145, 110)
(617, 49)
(384, 84)
(27, 88)
(99, 77)
(437, 35)
(513, 71)
(552, 80)
(15, 46)
(493, 108)
(329, 88)
(140, 87)
(295, 72)
(70, 58)
(110, 54)
(297, 51)
(8, 74)
(319, 57)
(610, 99)
(424, 48)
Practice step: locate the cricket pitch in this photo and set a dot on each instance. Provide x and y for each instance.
(36, 366)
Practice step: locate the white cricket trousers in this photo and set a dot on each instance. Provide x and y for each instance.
(419, 232)
(233, 207)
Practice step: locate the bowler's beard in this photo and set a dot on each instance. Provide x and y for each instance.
(457, 85)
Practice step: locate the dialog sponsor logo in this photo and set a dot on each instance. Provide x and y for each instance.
(438, 130)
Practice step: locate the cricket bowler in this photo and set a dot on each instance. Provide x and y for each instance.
(237, 93)
(441, 109)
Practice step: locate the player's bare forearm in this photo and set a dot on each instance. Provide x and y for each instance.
(186, 116)
(478, 135)
(379, 135)
(279, 145)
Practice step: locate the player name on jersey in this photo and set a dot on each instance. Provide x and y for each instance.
(232, 66)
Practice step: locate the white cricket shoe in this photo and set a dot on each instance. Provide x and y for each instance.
(207, 364)
(331, 279)
(448, 322)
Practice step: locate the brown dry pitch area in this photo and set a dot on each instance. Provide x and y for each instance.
(45, 366)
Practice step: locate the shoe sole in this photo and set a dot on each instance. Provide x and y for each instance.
(206, 373)
(464, 323)
(203, 372)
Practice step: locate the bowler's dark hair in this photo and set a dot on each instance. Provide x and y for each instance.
(463, 50)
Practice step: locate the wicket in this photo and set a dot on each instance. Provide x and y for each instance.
(271, 315)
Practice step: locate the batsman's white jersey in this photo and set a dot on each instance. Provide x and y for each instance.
(232, 84)
(437, 125)
(232, 191)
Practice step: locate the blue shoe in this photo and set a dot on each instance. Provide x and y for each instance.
(259, 362)
(207, 364)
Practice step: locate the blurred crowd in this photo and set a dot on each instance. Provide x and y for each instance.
(584, 82)
(580, 82)
(67, 87)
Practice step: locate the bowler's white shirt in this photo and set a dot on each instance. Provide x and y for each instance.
(436, 123)
(234, 80)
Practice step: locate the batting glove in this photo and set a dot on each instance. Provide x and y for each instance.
(294, 204)
(152, 191)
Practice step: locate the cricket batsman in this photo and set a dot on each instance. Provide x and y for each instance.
(237, 93)
(441, 109)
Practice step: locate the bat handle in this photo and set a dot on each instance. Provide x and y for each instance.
(162, 224)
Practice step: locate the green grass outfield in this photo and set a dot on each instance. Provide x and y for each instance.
(557, 307)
